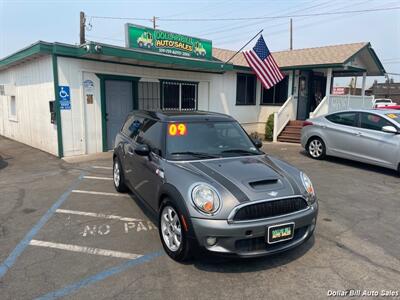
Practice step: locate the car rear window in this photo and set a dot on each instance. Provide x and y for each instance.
(346, 118)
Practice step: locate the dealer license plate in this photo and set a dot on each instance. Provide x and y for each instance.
(280, 233)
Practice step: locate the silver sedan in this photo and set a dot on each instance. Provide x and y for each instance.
(370, 136)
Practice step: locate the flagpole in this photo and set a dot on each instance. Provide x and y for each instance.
(243, 46)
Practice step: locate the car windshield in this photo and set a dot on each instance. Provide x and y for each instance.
(202, 140)
(383, 101)
(395, 117)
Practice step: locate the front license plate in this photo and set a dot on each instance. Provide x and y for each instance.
(280, 233)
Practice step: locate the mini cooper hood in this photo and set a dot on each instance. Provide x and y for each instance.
(250, 177)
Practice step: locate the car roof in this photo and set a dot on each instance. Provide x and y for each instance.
(374, 111)
(183, 116)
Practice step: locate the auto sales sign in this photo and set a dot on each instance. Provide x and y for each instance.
(149, 39)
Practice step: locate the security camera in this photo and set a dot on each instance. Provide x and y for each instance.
(97, 48)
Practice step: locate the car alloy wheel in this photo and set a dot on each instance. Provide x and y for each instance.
(117, 174)
(171, 229)
(316, 148)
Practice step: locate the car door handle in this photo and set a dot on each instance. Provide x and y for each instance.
(357, 133)
(130, 150)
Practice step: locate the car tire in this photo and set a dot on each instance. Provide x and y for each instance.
(118, 176)
(316, 148)
(172, 232)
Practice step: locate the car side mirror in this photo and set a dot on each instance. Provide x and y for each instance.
(142, 150)
(257, 143)
(389, 129)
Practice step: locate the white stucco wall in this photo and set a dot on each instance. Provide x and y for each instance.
(81, 126)
(33, 90)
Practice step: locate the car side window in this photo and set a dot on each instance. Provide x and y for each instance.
(151, 134)
(345, 118)
(373, 122)
(132, 126)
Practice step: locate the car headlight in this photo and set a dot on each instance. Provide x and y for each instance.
(205, 198)
(310, 192)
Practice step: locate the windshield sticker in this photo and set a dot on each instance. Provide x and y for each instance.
(392, 116)
(177, 129)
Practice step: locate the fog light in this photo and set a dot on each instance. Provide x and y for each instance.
(211, 240)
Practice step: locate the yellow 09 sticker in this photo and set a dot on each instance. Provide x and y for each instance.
(392, 116)
(175, 129)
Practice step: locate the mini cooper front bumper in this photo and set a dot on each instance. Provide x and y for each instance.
(249, 239)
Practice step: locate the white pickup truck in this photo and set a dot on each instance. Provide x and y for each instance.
(382, 102)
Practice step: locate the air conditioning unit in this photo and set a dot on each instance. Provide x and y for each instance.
(7, 90)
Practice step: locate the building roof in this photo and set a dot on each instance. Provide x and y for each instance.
(335, 55)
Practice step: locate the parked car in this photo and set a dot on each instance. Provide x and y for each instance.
(211, 185)
(382, 102)
(394, 106)
(370, 136)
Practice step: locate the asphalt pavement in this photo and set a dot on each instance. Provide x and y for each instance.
(65, 232)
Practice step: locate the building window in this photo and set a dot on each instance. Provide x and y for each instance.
(276, 95)
(12, 112)
(148, 95)
(246, 89)
(179, 95)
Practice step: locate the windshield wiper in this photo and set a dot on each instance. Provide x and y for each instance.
(240, 151)
(195, 154)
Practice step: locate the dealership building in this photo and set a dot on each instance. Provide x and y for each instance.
(71, 100)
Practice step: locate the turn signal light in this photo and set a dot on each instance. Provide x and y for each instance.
(306, 123)
(208, 206)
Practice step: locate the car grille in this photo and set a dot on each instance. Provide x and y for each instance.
(270, 209)
(259, 243)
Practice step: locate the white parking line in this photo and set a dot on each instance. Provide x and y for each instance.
(83, 249)
(99, 178)
(99, 193)
(102, 167)
(96, 215)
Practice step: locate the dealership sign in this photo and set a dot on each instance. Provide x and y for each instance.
(165, 42)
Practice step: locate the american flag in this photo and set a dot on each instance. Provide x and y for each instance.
(263, 64)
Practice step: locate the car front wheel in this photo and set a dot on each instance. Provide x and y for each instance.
(316, 148)
(118, 177)
(172, 232)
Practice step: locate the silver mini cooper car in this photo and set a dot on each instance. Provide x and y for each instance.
(211, 185)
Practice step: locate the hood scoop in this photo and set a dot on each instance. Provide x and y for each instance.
(263, 184)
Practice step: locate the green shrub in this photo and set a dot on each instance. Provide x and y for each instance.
(269, 128)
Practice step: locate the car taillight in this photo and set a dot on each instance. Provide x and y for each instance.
(306, 123)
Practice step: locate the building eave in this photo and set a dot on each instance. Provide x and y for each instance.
(113, 54)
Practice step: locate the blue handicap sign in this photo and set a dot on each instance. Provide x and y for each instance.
(65, 97)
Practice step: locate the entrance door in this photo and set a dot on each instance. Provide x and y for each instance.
(303, 105)
(119, 102)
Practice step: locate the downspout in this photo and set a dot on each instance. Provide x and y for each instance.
(57, 106)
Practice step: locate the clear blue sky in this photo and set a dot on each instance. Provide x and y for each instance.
(25, 22)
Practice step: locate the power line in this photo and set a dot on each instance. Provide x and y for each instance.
(248, 18)
(282, 16)
(268, 33)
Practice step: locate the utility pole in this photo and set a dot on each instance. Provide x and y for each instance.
(291, 34)
(82, 21)
(154, 22)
